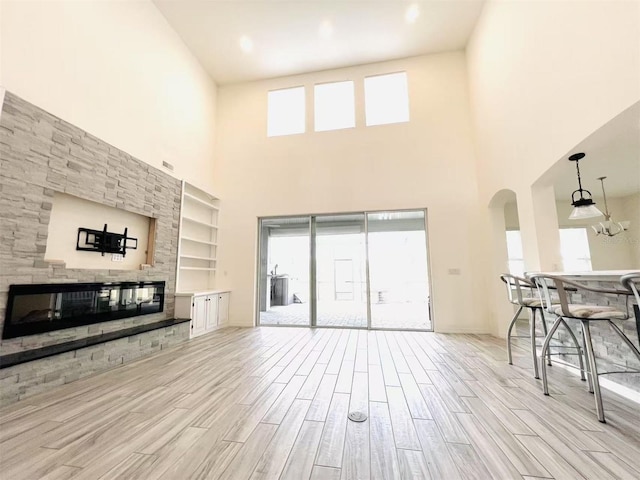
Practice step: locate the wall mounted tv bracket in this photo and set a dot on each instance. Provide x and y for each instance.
(105, 242)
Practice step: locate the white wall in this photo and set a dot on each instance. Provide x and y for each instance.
(428, 162)
(543, 76)
(117, 70)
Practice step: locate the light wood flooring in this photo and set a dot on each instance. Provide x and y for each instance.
(272, 403)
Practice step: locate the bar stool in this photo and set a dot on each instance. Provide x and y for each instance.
(520, 292)
(585, 314)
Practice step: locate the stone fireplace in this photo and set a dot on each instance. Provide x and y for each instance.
(42, 157)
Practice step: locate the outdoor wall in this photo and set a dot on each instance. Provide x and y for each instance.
(427, 162)
(543, 76)
(118, 71)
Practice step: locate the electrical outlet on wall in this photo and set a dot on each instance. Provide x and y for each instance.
(117, 257)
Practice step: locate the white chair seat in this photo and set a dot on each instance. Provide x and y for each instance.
(593, 312)
(532, 302)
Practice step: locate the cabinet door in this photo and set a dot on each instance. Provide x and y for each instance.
(223, 308)
(198, 321)
(212, 312)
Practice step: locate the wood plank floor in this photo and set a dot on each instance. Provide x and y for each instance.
(272, 403)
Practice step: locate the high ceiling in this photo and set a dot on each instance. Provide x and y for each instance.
(241, 40)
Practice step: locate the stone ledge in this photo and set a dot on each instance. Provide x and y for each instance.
(17, 358)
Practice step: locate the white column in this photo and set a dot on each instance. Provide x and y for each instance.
(539, 227)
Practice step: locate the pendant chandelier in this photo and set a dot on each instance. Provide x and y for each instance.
(609, 227)
(583, 207)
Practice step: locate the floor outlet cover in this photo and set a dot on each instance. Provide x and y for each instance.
(357, 417)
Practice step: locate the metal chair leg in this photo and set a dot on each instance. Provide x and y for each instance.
(545, 350)
(513, 322)
(545, 330)
(594, 370)
(587, 365)
(626, 340)
(534, 353)
(580, 350)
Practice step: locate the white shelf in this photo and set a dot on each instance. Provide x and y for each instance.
(198, 243)
(206, 242)
(194, 257)
(210, 225)
(200, 201)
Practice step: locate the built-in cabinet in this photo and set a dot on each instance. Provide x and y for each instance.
(207, 310)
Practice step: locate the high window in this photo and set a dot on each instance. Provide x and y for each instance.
(386, 99)
(334, 106)
(514, 252)
(574, 248)
(286, 112)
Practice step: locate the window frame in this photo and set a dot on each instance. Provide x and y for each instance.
(511, 259)
(315, 109)
(303, 113)
(367, 102)
(586, 260)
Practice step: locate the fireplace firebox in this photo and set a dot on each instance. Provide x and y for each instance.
(33, 309)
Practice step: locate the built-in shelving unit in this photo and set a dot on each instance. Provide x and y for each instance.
(199, 258)
(189, 239)
(199, 222)
(199, 200)
(198, 243)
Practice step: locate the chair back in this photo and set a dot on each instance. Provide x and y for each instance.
(562, 285)
(546, 283)
(515, 286)
(631, 282)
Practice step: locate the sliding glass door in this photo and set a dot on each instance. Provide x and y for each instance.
(354, 270)
(398, 270)
(341, 270)
(283, 294)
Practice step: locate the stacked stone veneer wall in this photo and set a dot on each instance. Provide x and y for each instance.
(611, 352)
(40, 155)
(26, 379)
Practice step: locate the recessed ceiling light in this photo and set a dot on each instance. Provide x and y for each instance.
(326, 29)
(412, 13)
(246, 44)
